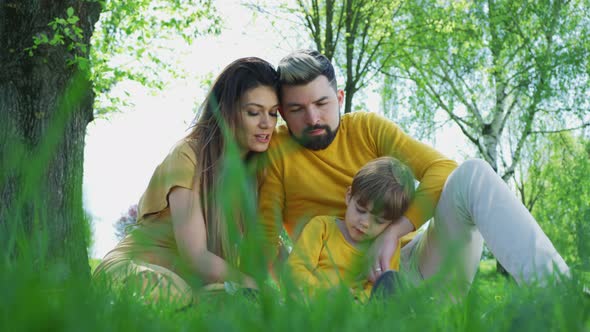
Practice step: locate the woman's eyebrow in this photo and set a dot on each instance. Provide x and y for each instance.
(252, 104)
(259, 105)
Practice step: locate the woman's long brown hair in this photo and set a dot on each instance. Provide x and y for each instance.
(219, 118)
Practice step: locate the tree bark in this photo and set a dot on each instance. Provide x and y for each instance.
(45, 106)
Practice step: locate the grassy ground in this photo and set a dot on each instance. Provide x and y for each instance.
(34, 302)
(93, 263)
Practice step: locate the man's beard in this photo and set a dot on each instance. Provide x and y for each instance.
(316, 142)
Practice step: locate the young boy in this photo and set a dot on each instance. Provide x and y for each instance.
(331, 251)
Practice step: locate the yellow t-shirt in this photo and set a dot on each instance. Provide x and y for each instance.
(322, 258)
(152, 239)
(301, 183)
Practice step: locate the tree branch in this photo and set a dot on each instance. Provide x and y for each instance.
(459, 94)
(584, 125)
(507, 114)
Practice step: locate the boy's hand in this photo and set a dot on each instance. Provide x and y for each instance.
(384, 247)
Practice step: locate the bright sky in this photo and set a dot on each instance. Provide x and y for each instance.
(122, 152)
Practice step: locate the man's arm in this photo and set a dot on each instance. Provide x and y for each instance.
(428, 165)
(384, 246)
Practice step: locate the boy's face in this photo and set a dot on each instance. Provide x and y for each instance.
(360, 223)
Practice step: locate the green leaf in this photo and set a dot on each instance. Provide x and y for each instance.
(73, 19)
(70, 11)
(57, 39)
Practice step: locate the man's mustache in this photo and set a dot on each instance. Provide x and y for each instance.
(315, 127)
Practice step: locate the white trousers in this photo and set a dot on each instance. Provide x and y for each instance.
(476, 206)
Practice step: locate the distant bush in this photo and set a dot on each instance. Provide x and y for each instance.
(128, 218)
(562, 208)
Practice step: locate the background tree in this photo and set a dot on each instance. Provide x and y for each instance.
(527, 179)
(350, 33)
(559, 172)
(492, 64)
(46, 102)
(136, 41)
(492, 68)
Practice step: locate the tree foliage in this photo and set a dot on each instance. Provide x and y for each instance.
(493, 65)
(559, 173)
(351, 33)
(138, 40)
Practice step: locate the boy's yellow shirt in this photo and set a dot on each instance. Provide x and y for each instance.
(322, 258)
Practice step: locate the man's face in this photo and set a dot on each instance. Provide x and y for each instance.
(312, 112)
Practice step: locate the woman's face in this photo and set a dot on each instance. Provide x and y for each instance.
(259, 110)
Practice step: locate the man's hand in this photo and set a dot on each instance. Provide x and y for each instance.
(384, 247)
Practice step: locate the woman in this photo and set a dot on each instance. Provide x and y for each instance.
(182, 237)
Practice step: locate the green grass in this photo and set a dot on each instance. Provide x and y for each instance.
(31, 302)
(93, 262)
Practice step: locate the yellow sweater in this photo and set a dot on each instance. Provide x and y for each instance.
(302, 183)
(322, 259)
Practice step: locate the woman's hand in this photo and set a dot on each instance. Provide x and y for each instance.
(384, 246)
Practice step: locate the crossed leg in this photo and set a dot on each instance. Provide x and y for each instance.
(476, 205)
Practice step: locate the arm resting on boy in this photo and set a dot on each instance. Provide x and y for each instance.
(384, 246)
(430, 167)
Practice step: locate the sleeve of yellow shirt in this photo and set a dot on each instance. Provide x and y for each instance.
(176, 170)
(304, 258)
(429, 166)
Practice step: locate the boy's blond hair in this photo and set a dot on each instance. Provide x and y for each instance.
(386, 183)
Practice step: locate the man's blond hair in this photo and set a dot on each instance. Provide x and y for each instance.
(304, 66)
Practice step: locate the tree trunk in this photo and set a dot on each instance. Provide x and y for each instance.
(45, 106)
(349, 39)
(348, 94)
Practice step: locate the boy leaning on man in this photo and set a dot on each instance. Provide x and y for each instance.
(331, 251)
